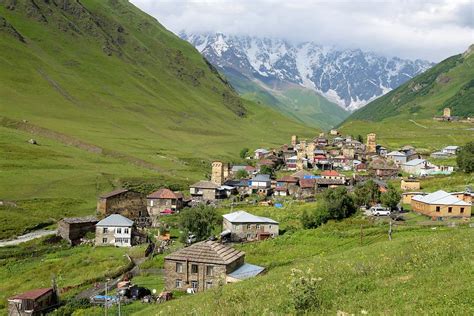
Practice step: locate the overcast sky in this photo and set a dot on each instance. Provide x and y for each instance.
(430, 30)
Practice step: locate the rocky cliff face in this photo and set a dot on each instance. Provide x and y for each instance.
(350, 78)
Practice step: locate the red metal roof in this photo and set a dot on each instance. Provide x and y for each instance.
(113, 193)
(32, 295)
(330, 173)
(288, 179)
(165, 194)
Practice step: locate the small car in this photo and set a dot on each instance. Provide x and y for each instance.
(379, 211)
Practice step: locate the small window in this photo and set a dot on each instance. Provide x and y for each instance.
(195, 284)
(179, 284)
(125, 240)
(248, 226)
(179, 267)
(194, 268)
(208, 284)
(461, 210)
(104, 240)
(450, 209)
(118, 240)
(249, 236)
(105, 230)
(125, 230)
(210, 270)
(438, 209)
(269, 226)
(258, 226)
(119, 230)
(152, 202)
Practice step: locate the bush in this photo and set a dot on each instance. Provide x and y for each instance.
(465, 158)
(304, 291)
(199, 221)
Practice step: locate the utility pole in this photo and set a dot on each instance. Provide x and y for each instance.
(390, 231)
(361, 233)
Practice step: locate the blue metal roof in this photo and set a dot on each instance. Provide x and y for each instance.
(246, 271)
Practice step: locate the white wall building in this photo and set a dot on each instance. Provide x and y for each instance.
(114, 230)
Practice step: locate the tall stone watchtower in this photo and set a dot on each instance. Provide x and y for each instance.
(371, 143)
(218, 174)
(294, 140)
(447, 112)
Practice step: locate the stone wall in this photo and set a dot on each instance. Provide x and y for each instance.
(72, 232)
(129, 204)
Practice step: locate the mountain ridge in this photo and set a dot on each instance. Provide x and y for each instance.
(350, 78)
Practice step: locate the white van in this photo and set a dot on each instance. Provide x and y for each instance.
(379, 211)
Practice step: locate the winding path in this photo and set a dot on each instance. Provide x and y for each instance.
(27, 237)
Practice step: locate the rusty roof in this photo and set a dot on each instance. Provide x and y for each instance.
(79, 220)
(207, 252)
(165, 194)
(32, 295)
(113, 193)
(288, 179)
(307, 183)
(330, 173)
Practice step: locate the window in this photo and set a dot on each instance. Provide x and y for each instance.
(249, 236)
(125, 240)
(208, 284)
(450, 209)
(179, 284)
(179, 267)
(195, 284)
(104, 240)
(118, 240)
(105, 230)
(461, 210)
(269, 226)
(152, 202)
(210, 270)
(119, 230)
(258, 226)
(194, 268)
(438, 209)
(125, 230)
(248, 226)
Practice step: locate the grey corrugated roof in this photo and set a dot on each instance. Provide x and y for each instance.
(116, 220)
(396, 153)
(207, 252)
(246, 271)
(244, 217)
(440, 197)
(414, 162)
(261, 177)
(451, 147)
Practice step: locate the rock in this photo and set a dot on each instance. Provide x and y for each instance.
(33, 141)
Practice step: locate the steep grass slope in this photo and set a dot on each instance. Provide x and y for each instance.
(110, 95)
(405, 114)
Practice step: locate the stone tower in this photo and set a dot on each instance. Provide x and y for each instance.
(217, 175)
(310, 151)
(294, 140)
(447, 112)
(371, 143)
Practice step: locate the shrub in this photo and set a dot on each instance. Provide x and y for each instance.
(304, 291)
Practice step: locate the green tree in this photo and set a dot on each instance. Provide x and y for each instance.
(266, 170)
(391, 198)
(339, 203)
(244, 153)
(199, 221)
(465, 158)
(360, 138)
(241, 174)
(367, 194)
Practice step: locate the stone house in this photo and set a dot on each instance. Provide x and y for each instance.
(261, 153)
(241, 225)
(122, 201)
(286, 185)
(204, 265)
(206, 191)
(397, 157)
(382, 168)
(419, 167)
(332, 174)
(163, 200)
(114, 230)
(441, 204)
(451, 150)
(261, 184)
(307, 188)
(72, 229)
(33, 303)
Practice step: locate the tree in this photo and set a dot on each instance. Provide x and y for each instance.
(244, 152)
(367, 194)
(199, 221)
(339, 203)
(465, 158)
(391, 198)
(360, 138)
(241, 174)
(266, 170)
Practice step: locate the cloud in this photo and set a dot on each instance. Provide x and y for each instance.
(430, 30)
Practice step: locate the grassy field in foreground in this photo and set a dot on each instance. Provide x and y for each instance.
(33, 264)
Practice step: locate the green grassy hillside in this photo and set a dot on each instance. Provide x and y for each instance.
(296, 102)
(110, 95)
(405, 115)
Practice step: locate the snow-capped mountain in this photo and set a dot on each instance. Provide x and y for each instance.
(350, 78)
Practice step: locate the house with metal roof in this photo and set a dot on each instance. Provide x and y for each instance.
(240, 225)
(164, 201)
(397, 157)
(204, 265)
(451, 150)
(34, 302)
(114, 230)
(206, 191)
(441, 204)
(261, 184)
(419, 167)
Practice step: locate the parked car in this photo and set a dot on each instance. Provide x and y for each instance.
(191, 239)
(379, 211)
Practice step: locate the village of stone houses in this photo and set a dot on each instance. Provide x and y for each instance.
(198, 234)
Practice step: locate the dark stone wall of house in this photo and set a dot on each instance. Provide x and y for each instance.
(129, 204)
(72, 232)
